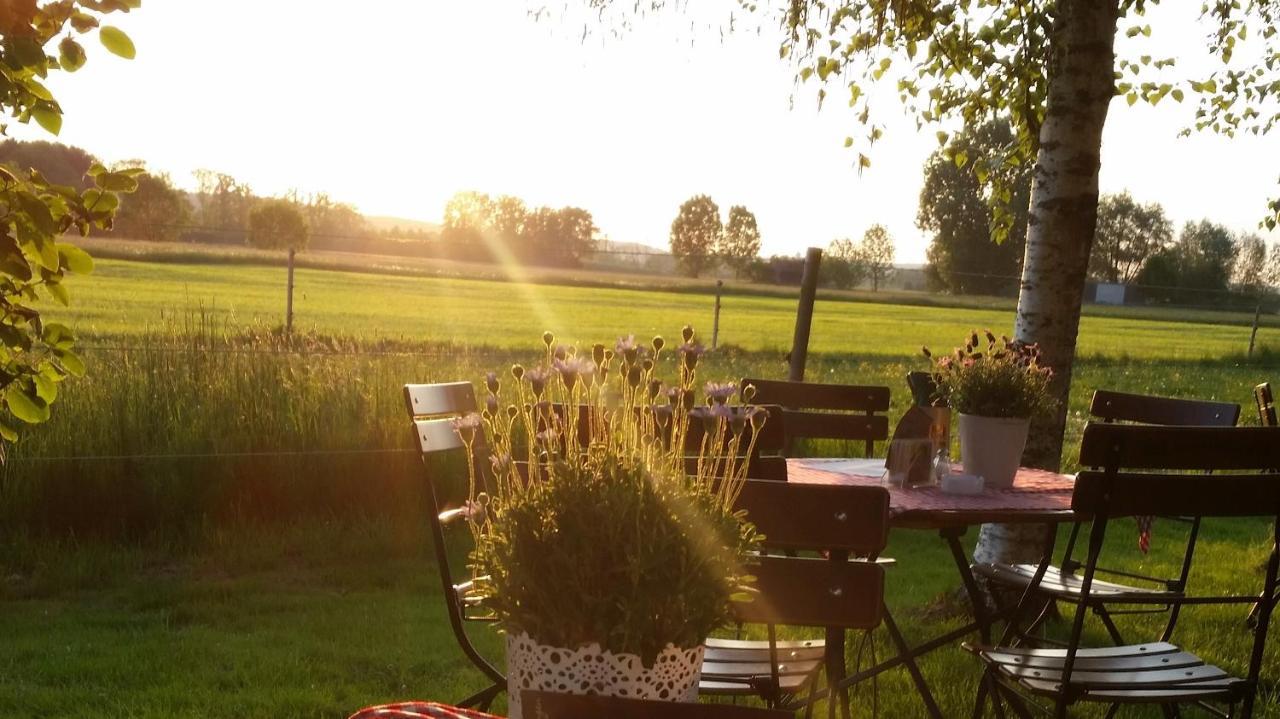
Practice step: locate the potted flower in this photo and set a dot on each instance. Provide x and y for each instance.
(604, 560)
(996, 390)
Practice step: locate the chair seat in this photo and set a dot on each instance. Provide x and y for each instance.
(1154, 672)
(1067, 586)
(738, 667)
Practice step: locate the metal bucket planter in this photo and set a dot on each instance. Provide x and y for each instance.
(674, 675)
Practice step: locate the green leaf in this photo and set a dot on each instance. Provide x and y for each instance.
(116, 182)
(70, 54)
(1131, 98)
(117, 42)
(29, 409)
(961, 158)
(48, 118)
(75, 259)
(942, 137)
(96, 200)
(46, 388)
(72, 363)
(59, 293)
(1177, 95)
(8, 432)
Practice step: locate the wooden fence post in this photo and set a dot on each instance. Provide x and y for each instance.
(1253, 336)
(804, 314)
(288, 307)
(715, 325)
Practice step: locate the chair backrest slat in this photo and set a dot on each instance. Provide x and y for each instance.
(816, 516)
(1124, 407)
(799, 591)
(811, 395)
(1139, 462)
(548, 705)
(436, 435)
(824, 425)
(1179, 448)
(432, 399)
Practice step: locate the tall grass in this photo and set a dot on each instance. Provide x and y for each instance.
(191, 424)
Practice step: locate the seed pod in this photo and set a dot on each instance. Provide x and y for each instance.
(548, 338)
(658, 344)
(687, 333)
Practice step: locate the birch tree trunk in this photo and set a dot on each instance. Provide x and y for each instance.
(1060, 226)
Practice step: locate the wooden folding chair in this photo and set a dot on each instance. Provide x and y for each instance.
(547, 705)
(843, 590)
(827, 411)
(432, 408)
(1143, 470)
(1062, 582)
(1266, 405)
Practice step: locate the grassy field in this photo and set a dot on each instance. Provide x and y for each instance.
(222, 522)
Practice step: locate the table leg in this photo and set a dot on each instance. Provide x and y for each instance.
(952, 537)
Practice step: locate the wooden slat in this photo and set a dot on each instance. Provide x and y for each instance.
(759, 667)
(1180, 448)
(793, 515)
(1124, 407)
(448, 398)
(815, 593)
(1150, 648)
(436, 435)
(547, 705)
(825, 425)
(1068, 586)
(810, 395)
(1218, 495)
(731, 650)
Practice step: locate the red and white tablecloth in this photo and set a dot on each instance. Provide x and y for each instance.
(419, 710)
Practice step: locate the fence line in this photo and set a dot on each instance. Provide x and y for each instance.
(212, 455)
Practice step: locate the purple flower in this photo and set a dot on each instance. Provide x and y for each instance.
(627, 347)
(561, 352)
(573, 368)
(719, 392)
(538, 377)
(473, 511)
(466, 425)
(491, 404)
(500, 463)
(690, 352)
(597, 353)
(491, 381)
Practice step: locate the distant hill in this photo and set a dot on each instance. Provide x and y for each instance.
(382, 222)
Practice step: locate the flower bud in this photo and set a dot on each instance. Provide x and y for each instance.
(548, 338)
(517, 371)
(658, 344)
(687, 333)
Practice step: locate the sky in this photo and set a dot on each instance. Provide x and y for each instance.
(394, 105)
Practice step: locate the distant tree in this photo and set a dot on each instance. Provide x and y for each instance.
(505, 228)
(558, 237)
(1126, 236)
(740, 243)
(962, 257)
(876, 251)
(1200, 261)
(278, 225)
(156, 211)
(60, 164)
(1272, 270)
(843, 266)
(466, 219)
(224, 202)
(1249, 272)
(695, 234)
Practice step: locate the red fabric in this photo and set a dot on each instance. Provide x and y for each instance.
(1033, 490)
(419, 710)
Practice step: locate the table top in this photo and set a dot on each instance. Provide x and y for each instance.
(419, 710)
(1036, 496)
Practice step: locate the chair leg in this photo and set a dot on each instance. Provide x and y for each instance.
(1111, 711)
(1107, 622)
(483, 698)
(909, 660)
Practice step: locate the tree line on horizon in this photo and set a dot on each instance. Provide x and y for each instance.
(1134, 242)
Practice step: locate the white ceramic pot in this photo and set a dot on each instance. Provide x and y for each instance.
(674, 675)
(991, 447)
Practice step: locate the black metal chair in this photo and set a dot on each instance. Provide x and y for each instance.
(1062, 582)
(1144, 470)
(840, 591)
(827, 411)
(432, 407)
(548, 705)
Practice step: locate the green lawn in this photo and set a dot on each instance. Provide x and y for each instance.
(300, 585)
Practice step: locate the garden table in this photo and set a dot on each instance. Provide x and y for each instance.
(1037, 497)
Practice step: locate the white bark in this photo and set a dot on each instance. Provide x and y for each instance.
(1060, 227)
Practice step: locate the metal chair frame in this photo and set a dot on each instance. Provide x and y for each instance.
(1115, 407)
(1142, 473)
(432, 407)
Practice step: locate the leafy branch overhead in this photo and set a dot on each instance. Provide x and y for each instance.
(35, 213)
(978, 60)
